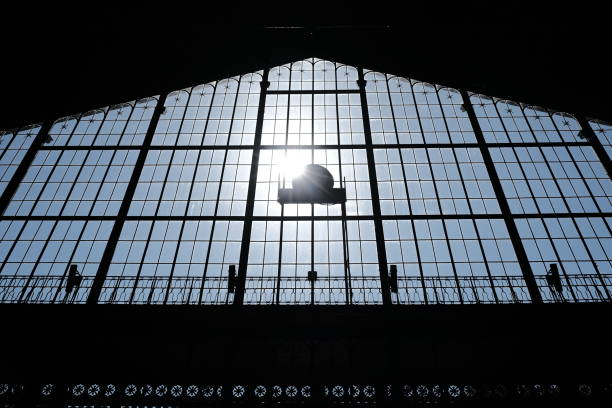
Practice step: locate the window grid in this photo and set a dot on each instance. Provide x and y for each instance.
(178, 183)
(86, 129)
(313, 74)
(319, 119)
(13, 147)
(312, 245)
(263, 264)
(119, 125)
(169, 124)
(193, 183)
(300, 121)
(603, 131)
(467, 248)
(275, 118)
(216, 114)
(401, 112)
(447, 181)
(74, 183)
(245, 113)
(552, 179)
(41, 249)
(508, 122)
(279, 78)
(381, 115)
(196, 115)
(195, 255)
(580, 246)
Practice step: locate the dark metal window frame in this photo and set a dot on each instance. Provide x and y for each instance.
(97, 283)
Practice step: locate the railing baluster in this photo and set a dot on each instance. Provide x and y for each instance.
(330, 290)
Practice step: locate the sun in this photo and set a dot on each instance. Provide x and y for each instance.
(292, 165)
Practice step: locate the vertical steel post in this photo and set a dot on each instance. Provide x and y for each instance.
(378, 227)
(592, 138)
(515, 238)
(107, 256)
(23, 167)
(250, 204)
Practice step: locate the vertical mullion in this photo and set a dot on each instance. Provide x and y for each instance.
(503, 203)
(13, 245)
(450, 251)
(149, 234)
(178, 244)
(546, 162)
(433, 181)
(112, 159)
(212, 225)
(558, 257)
(467, 198)
(586, 247)
(348, 284)
(127, 121)
(72, 187)
(277, 288)
(248, 216)
(8, 144)
(76, 246)
(38, 196)
(484, 257)
(312, 209)
(103, 180)
(491, 282)
(258, 299)
(511, 147)
(76, 180)
(582, 239)
(539, 212)
(378, 227)
(161, 193)
(544, 158)
(42, 251)
(592, 138)
(399, 150)
(193, 181)
(14, 133)
(519, 165)
(191, 186)
(107, 256)
(584, 179)
(142, 259)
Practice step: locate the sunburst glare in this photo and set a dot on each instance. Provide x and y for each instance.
(292, 165)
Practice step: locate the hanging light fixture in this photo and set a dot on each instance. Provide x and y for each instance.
(315, 185)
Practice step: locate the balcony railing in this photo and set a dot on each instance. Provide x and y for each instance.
(326, 291)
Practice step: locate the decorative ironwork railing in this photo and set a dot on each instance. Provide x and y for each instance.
(325, 291)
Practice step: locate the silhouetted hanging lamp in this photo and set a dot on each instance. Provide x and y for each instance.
(314, 186)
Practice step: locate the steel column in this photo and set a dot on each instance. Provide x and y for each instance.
(503, 203)
(107, 256)
(250, 204)
(596, 144)
(378, 227)
(23, 167)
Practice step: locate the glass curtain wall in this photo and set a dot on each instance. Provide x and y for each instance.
(429, 172)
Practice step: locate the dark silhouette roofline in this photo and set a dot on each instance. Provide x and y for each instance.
(63, 65)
